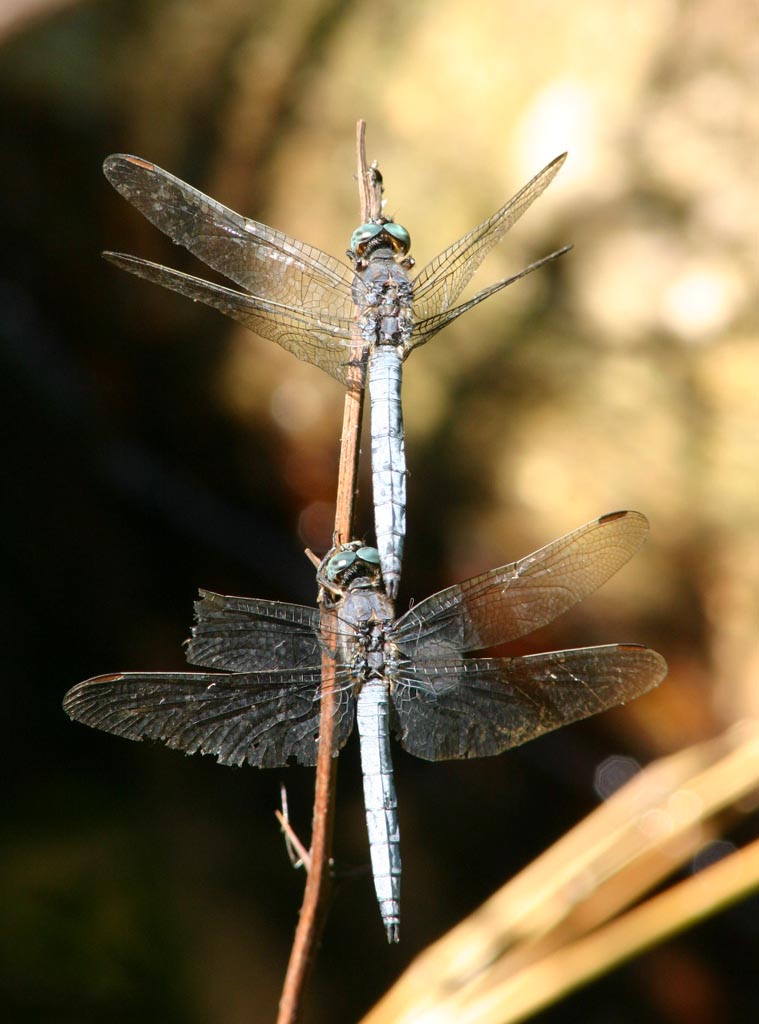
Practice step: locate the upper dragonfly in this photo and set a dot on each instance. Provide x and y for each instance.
(405, 675)
(310, 303)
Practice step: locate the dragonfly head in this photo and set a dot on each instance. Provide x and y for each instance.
(383, 233)
(352, 565)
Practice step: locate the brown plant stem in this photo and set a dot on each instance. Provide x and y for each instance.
(313, 910)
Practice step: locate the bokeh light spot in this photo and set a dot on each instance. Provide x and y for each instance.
(613, 773)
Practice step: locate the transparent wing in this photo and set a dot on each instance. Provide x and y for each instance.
(425, 329)
(314, 339)
(513, 600)
(243, 634)
(440, 282)
(458, 709)
(266, 719)
(266, 262)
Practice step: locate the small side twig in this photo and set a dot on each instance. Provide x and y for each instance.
(313, 909)
(313, 559)
(299, 855)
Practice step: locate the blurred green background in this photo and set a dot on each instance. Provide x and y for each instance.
(152, 447)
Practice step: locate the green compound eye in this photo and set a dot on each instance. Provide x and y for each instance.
(396, 235)
(401, 237)
(370, 555)
(338, 563)
(363, 234)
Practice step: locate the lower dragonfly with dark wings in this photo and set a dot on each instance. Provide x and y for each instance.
(408, 675)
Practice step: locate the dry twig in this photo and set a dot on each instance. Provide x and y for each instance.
(313, 910)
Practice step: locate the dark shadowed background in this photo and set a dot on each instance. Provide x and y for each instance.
(152, 447)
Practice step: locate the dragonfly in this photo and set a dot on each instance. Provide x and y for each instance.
(313, 305)
(407, 676)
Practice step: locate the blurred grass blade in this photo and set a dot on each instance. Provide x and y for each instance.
(542, 983)
(538, 926)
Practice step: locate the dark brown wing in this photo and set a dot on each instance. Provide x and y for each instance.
(266, 719)
(478, 707)
(244, 634)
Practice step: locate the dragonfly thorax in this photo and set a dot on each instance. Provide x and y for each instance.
(384, 293)
(366, 616)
